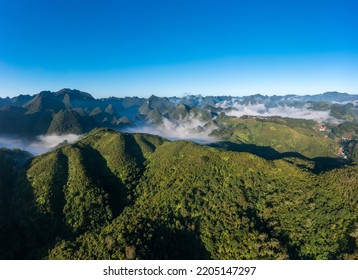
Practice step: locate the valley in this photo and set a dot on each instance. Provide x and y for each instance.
(180, 178)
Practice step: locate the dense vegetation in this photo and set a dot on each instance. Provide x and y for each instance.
(137, 196)
(281, 134)
(10, 162)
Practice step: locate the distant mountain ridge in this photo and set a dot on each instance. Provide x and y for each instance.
(194, 116)
(190, 100)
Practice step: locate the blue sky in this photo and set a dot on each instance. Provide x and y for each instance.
(138, 47)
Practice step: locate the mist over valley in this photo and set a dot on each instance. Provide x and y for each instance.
(190, 130)
(214, 177)
(39, 122)
(42, 143)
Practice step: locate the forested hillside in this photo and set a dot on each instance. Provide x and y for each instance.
(137, 196)
(280, 134)
(11, 162)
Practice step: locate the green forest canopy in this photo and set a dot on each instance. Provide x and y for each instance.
(137, 196)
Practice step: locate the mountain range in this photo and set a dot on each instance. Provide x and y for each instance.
(74, 111)
(220, 177)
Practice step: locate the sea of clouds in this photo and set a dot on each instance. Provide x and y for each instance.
(239, 110)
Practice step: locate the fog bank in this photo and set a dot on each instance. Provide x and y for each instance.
(42, 144)
(240, 110)
(188, 128)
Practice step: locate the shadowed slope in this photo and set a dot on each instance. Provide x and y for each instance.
(127, 196)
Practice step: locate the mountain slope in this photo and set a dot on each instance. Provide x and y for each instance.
(43, 103)
(69, 121)
(281, 134)
(124, 196)
(11, 162)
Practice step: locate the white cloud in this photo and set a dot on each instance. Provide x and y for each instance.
(41, 145)
(188, 128)
(281, 111)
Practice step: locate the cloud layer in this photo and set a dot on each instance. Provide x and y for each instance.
(41, 145)
(189, 128)
(239, 110)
